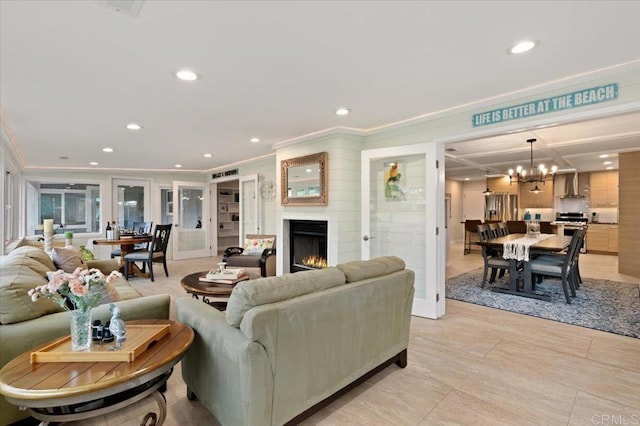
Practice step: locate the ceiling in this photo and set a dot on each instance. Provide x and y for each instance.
(73, 74)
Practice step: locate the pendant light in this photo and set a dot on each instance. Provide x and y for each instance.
(487, 191)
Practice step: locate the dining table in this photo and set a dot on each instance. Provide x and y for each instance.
(127, 245)
(519, 249)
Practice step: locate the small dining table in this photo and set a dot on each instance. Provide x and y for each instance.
(546, 244)
(127, 245)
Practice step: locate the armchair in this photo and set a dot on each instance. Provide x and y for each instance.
(258, 263)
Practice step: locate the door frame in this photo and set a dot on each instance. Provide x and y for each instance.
(256, 208)
(433, 305)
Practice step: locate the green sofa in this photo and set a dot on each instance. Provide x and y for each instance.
(25, 324)
(287, 344)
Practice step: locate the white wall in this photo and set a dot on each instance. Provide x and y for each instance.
(456, 228)
(343, 209)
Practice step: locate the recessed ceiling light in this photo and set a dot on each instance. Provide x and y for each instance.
(604, 156)
(308, 170)
(93, 163)
(467, 178)
(187, 75)
(609, 168)
(343, 111)
(207, 155)
(107, 149)
(133, 126)
(255, 140)
(606, 163)
(177, 166)
(522, 46)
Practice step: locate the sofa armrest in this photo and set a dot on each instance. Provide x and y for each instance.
(268, 263)
(106, 266)
(229, 373)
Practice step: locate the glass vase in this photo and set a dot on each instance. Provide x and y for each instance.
(80, 330)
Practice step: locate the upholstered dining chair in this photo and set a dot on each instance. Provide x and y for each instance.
(561, 266)
(559, 258)
(157, 251)
(492, 260)
(138, 228)
(258, 255)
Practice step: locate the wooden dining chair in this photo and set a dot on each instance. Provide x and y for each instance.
(493, 228)
(503, 229)
(157, 251)
(138, 228)
(492, 261)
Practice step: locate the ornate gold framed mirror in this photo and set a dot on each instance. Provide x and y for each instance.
(304, 181)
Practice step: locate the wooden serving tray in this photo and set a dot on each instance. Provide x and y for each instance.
(139, 338)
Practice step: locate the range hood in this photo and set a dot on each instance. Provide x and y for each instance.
(572, 186)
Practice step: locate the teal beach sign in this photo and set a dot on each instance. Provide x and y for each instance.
(580, 98)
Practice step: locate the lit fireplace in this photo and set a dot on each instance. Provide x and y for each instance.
(315, 262)
(307, 244)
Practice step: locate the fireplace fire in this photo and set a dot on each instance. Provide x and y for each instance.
(307, 245)
(315, 262)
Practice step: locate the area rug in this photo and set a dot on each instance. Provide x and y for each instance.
(599, 304)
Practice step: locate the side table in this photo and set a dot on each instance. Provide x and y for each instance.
(212, 293)
(70, 391)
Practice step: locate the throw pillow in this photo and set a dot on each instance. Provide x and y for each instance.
(255, 246)
(87, 254)
(67, 258)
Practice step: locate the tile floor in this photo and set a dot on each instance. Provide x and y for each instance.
(476, 365)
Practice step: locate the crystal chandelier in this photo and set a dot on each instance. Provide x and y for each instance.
(534, 175)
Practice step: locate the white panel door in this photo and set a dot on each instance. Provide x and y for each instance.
(400, 210)
(190, 220)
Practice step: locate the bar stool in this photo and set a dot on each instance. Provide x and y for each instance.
(470, 228)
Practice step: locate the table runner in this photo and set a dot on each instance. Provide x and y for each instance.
(519, 249)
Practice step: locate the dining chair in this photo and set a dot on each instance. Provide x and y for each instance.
(493, 227)
(157, 251)
(138, 228)
(558, 258)
(503, 229)
(491, 259)
(565, 270)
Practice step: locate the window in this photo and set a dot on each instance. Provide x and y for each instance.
(131, 200)
(72, 206)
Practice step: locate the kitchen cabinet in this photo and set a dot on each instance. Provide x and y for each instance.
(501, 185)
(613, 238)
(602, 238)
(530, 200)
(603, 189)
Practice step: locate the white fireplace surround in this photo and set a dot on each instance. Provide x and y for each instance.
(283, 243)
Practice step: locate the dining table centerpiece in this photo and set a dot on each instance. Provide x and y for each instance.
(78, 292)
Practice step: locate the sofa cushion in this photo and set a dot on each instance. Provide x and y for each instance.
(25, 262)
(34, 253)
(362, 269)
(262, 291)
(16, 305)
(255, 246)
(67, 258)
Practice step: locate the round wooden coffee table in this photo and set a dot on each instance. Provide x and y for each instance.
(70, 391)
(213, 293)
